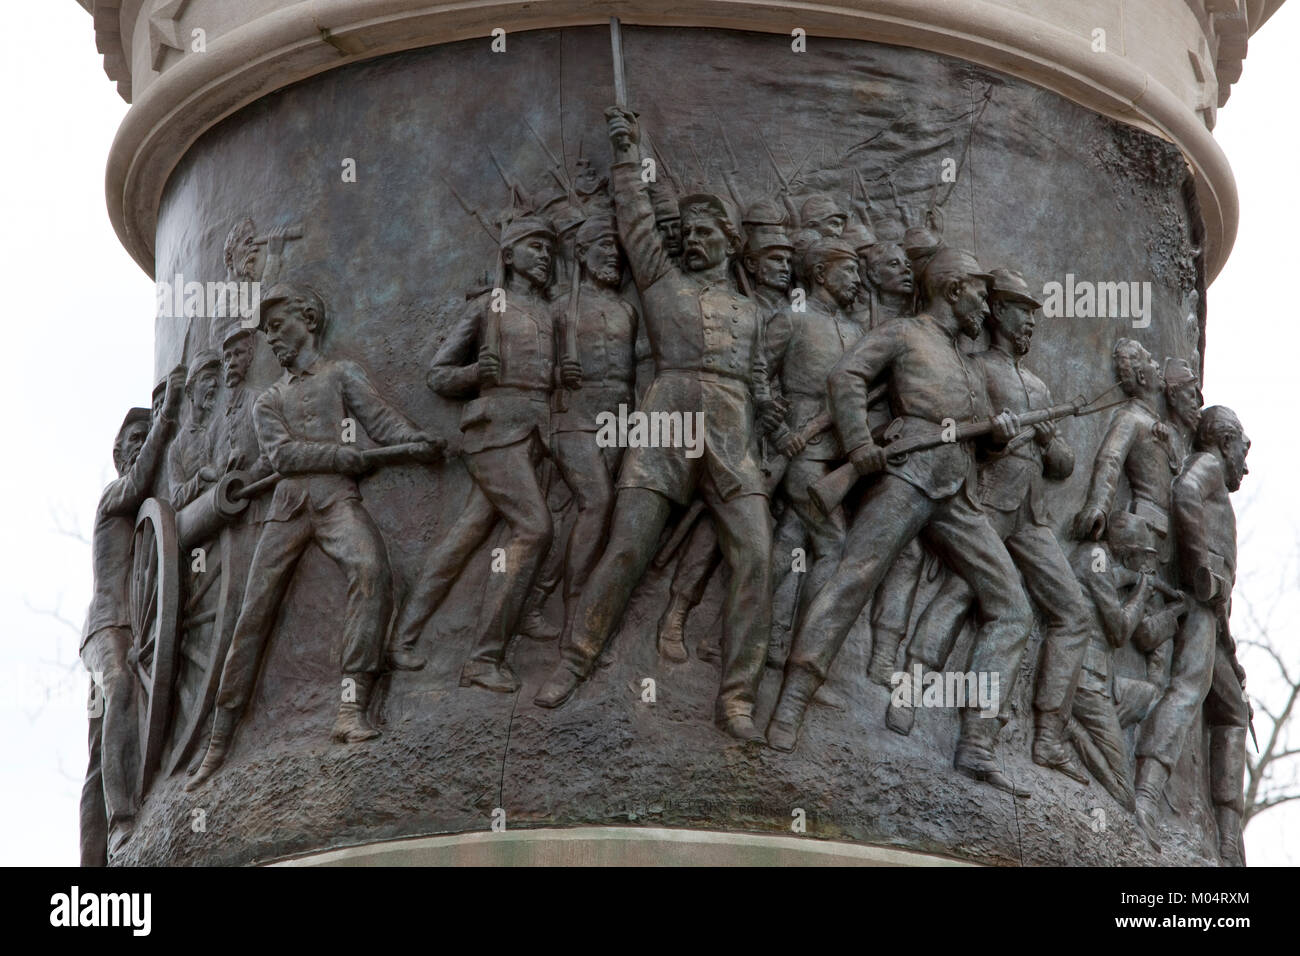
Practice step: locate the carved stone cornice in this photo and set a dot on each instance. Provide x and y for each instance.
(255, 47)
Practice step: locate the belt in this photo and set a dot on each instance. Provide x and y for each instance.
(704, 376)
(1155, 515)
(529, 392)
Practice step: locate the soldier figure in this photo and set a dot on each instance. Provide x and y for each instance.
(803, 347)
(1205, 669)
(767, 259)
(605, 338)
(889, 278)
(932, 493)
(708, 352)
(189, 457)
(1011, 494)
(1139, 445)
(108, 796)
(668, 218)
(252, 258)
(1183, 399)
(1118, 576)
(823, 215)
(509, 358)
(889, 291)
(300, 425)
(236, 447)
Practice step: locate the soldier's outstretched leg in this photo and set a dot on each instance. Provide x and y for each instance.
(937, 630)
(114, 749)
(508, 478)
(699, 558)
(1228, 717)
(963, 537)
(346, 532)
(892, 515)
(441, 569)
(892, 612)
(639, 517)
(279, 547)
(1064, 614)
(745, 534)
(1160, 741)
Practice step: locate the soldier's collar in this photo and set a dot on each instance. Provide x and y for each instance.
(291, 376)
(1142, 403)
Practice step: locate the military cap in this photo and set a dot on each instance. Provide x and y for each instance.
(1179, 371)
(136, 415)
(204, 360)
(300, 295)
(767, 237)
(819, 206)
(718, 205)
(858, 236)
(233, 333)
(952, 261)
(526, 226)
(826, 250)
(664, 202)
(594, 228)
(765, 212)
(1010, 284)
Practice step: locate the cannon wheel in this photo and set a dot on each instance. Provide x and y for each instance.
(194, 723)
(155, 610)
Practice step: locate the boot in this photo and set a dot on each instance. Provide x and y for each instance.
(672, 628)
(796, 692)
(1052, 750)
(900, 718)
(741, 727)
(1227, 771)
(223, 729)
(1229, 820)
(884, 657)
(975, 757)
(778, 647)
(558, 688)
(352, 725)
(1151, 779)
(119, 833)
(404, 659)
(490, 676)
(533, 623)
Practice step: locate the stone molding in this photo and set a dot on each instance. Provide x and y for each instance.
(258, 46)
(617, 846)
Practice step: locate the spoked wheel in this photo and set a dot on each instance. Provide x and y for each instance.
(155, 600)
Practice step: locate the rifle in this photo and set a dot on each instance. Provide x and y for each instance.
(810, 431)
(827, 493)
(557, 170)
(786, 199)
(815, 426)
(404, 454)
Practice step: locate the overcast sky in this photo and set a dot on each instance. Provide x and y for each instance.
(79, 341)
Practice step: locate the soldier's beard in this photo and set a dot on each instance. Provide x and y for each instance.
(1235, 472)
(607, 275)
(234, 378)
(1020, 341)
(971, 323)
(284, 354)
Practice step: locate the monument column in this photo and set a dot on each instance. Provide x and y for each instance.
(369, 174)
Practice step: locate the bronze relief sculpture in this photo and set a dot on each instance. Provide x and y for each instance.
(841, 410)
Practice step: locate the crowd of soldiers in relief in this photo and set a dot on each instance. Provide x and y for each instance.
(815, 351)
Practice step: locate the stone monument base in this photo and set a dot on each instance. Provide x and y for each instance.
(617, 846)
